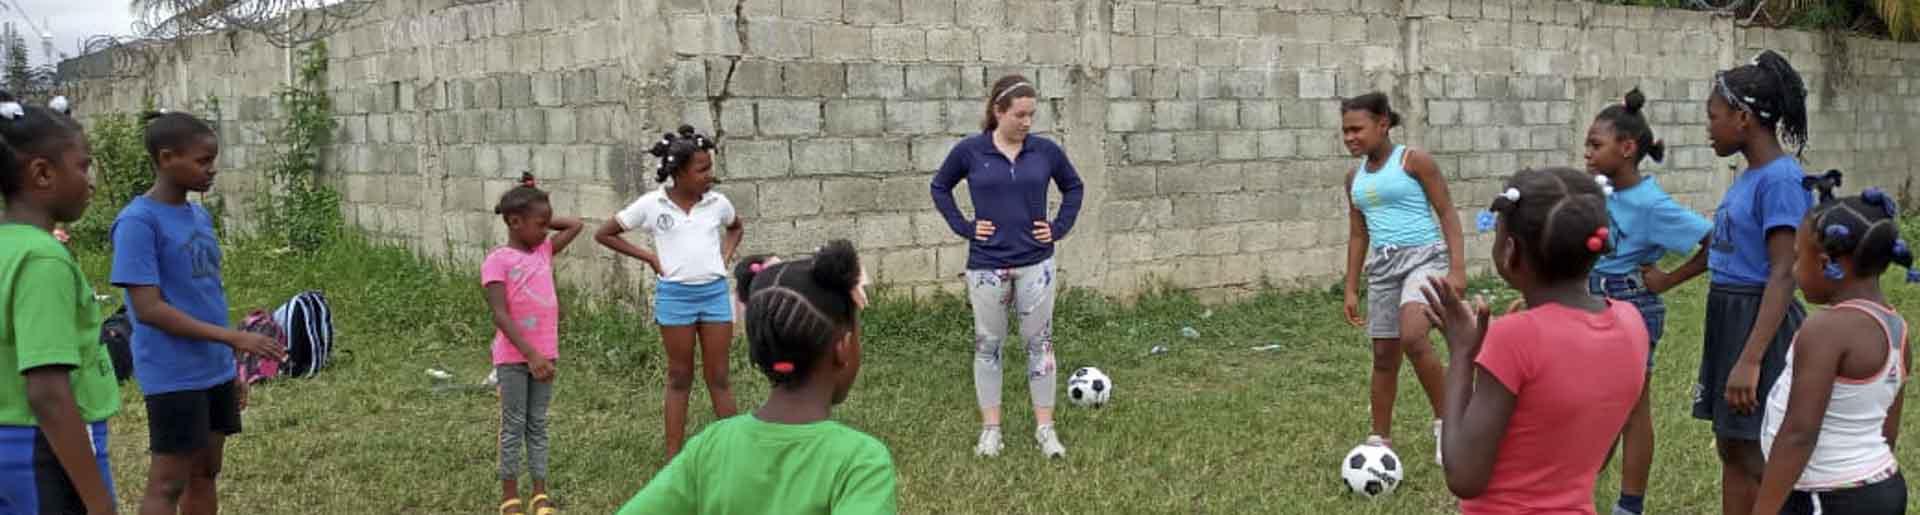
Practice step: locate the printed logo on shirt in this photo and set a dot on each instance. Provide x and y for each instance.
(664, 222)
(1722, 232)
(205, 253)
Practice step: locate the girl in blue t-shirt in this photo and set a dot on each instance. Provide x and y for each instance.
(1751, 313)
(1647, 224)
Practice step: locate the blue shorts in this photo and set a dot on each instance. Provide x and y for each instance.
(677, 304)
(31, 478)
(1631, 288)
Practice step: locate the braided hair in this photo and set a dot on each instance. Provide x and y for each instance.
(1558, 216)
(1374, 103)
(1627, 123)
(797, 310)
(676, 149)
(28, 132)
(1771, 91)
(1865, 227)
(172, 130)
(516, 201)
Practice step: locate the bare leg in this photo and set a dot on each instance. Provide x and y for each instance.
(1741, 464)
(1637, 462)
(679, 344)
(202, 497)
(1418, 346)
(167, 481)
(1386, 384)
(714, 340)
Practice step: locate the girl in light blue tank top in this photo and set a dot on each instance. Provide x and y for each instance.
(1396, 243)
(1395, 205)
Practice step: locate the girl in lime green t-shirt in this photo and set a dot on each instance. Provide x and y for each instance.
(803, 332)
(56, 381)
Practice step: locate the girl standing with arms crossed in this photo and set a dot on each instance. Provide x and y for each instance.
(1402, 229)
(1646, 225)
(518, 278)
(1010, 248)
(1833, 418)
(57, 386)
(695, 232)
(1751, 313)
(1535, 399)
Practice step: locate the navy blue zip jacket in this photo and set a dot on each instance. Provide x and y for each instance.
(1011, 194)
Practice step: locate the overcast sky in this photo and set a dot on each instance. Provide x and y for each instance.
(70, 21)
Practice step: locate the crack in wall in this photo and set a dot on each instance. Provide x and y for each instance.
(717, 104)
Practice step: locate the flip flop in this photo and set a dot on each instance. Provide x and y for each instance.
(548, 509)
(511, 504)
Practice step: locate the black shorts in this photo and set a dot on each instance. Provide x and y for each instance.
(183, 422)
(1731, 311)
(1889, 497)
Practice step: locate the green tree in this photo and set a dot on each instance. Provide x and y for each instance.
(20, 78)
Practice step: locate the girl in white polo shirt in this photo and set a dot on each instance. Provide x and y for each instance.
(695, 232)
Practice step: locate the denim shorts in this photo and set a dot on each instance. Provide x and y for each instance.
(677, 304)
(1632, 288)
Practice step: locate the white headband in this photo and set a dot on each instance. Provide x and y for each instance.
(1011, 89)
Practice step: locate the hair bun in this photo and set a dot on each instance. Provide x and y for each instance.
(837, 266)
(686, 131)
(1634, 101)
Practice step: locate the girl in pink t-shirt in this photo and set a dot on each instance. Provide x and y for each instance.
(1535, 399)
(518, 278)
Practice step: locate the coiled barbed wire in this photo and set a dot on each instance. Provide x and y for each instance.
(284, 23)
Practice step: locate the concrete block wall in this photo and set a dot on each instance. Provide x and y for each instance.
(1206, 130)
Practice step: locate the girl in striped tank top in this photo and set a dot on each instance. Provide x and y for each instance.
(1832, 419)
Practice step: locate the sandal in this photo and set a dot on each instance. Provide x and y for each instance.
(544, 510)
(511, 504)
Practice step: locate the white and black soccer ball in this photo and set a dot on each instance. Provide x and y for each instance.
(1372, 470)
(1089, 388)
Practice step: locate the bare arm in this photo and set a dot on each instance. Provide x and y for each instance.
(50, 395)
(569, 229)
(730, 246)
(1814, 368)
(609, 236)
(1744, 380)
(1421, 165)
(1478, 409)
(1357, 242)
(1891, 428)
(1659, 282)
(153, 310)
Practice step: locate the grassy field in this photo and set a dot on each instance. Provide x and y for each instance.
(1211, 427)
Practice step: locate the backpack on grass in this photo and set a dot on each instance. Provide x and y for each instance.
(253, 369)
(307, 323)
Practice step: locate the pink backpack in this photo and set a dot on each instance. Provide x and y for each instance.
(252, 369)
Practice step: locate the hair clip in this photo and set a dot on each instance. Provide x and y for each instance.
(1832, 270)
(529, 182)
(60, 105)
(163, 110)
(757, 267)
(1837, 232)
(12, 110)
(784, 367)
(1900, 249)
(1878, 198)
(1512, 194)
(1485, 221)
(1606, 185)
(1598, 241)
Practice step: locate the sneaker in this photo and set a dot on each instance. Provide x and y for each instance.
(989, 442)
(1378, 441)
(1049, 442)
(1617, 510)
(1436, 444)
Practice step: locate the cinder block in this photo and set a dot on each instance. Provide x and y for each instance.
(899, 44)
(789, 117)
(849, 195)
(965, 116)
(876, 81)
(928, 152)
(1219, 114)
(775, 38)
(885, 230)
(756, 158)
(1259, 114)
(1196, 146)
(1129, 116)
(560, 126)
(780, 199)
(1003, 46)
(837, 42)
(873, 12)
(933, 82)
(822, 157)
(1314, 84)
(1053, 48)
(914, 117)
(814, 79)
(811, 9)
(1175, 51)
(928, 12)
(880, 155)
(952, 45)
(983, 13)
(1173, 115)
(1132, 182)
(1239, 145)
(854, 117)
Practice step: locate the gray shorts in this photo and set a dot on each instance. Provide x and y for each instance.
(1395, 276)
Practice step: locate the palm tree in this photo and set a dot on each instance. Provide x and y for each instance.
(1901, 16)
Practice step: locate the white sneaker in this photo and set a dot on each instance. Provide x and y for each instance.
(1377, 441)
(989, 442)
(1436, 444)
(1049, 442)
